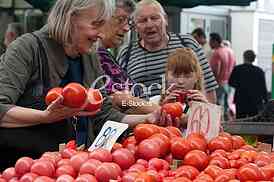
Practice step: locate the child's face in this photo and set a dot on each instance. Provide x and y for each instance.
(183, 81)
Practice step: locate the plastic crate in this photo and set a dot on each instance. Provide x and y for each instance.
(261, 124)
(256, 128)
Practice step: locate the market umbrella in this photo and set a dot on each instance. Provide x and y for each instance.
(193, 3)
(46, 4)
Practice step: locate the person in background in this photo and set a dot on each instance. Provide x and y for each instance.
(250, 86)
(222, 62)
(146, 59)
(119, 83)
(53, 56)
(184, 75)
(13, 31)
(199, 35)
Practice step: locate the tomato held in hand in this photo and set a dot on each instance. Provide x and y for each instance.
(175, 109)
(53, 94)
(95, 100)
(75, 95)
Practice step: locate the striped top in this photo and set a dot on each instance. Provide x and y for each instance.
(148, 67)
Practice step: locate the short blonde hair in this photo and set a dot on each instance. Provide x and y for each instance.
(184, 60)
(59, 19)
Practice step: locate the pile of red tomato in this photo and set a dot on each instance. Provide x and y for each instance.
(76, 96)
(152, 154)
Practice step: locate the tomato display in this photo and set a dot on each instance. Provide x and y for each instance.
(158, 155)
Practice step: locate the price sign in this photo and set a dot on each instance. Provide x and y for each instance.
(204, 118)
(108, 135)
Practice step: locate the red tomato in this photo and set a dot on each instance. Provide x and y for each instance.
(179, 147)
(9, 173)
(75, 95)
(130, 176)
(181, 179)
(196, 158)
(237, 142)
(129, 140)
(132, 148)
(236, 154)
(187, 171)
(53, 94)
(67, 153)
(174, 131)
(163, 141)
(107, 171)
(218, 153)
(197, 141)
(28, 177)
(262, 159)
(65, 169)
(63, 162)
(101, 154)
(223, 178)
(86, 178)
(71, 144)
(78, 159)
(44, 179)
(268, 171)
(23, 165)
(95, 100)
(43, 168)
(220, 161)
(145, 177)
(158, 164)
(148, 149)
(137, 168)
(249, 155)
(249, 172)
(174, 109)
(142, 162)
(213, 171)
(123, 157)
(116, 146)
(202, 177)
(144, 131)
(53, 157)
(220, 142)
(65, 178)
(164, 131)
(89, 166)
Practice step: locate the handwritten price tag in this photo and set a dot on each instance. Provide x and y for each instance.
(108, 135)
(204, 118)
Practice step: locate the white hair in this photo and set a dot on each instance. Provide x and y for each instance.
(59, 19)
(148, 2)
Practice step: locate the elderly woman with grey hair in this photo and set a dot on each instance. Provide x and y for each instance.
(118, 84)
(57, 54)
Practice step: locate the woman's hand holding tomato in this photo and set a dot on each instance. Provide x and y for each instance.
(62, 102)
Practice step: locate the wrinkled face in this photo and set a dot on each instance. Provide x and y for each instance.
(116, 28)
(86, 29)
(151, 25)
(183, 81)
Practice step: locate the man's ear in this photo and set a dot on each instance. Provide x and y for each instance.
(12, 35)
